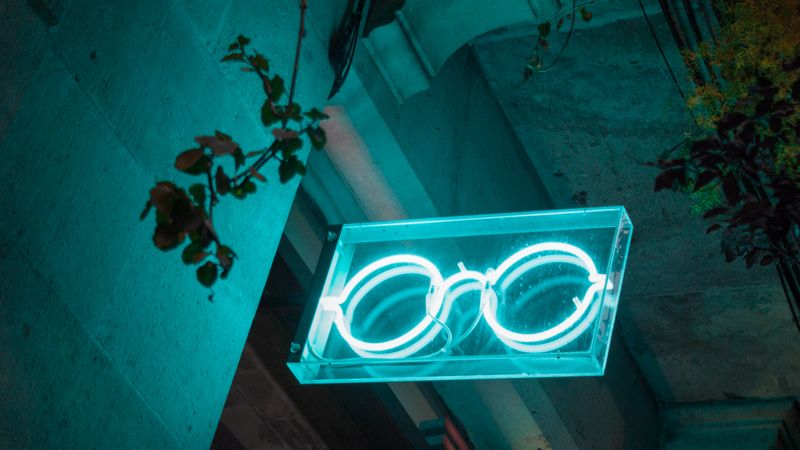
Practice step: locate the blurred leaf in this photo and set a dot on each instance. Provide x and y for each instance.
(255, 153)
(163, 196)
(225, 255)
(188, 255)
(585, 15)
(715, 212)
(261, 62)
(226, 270)
(199, 257)
(666, 180)
(198, 193)
(167, 237)
(317, 137)
(221, 144)
(731, 189)
(276, 84)
(560, 23)
(315, 114)
(703, 179)
(268, 116)
(257, 175)
(233, 57)
(238, 158)
(222, 181)
(544, 29)
(192, 161)
(243, 41)
(293, 112)
(248, 187)
(207, 274)
(544, 43)
(233, 46)
(289, 168)
(290, 147)
(283, 134)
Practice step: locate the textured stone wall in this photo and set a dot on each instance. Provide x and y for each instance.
(106, 342)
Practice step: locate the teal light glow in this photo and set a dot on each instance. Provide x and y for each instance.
(439, 294)
(545, 310)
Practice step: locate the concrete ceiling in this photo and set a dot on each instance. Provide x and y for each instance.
(699, 328)
(476, 139)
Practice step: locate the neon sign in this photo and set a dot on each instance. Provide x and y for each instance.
(398, 315)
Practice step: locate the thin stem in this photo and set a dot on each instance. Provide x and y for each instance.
(269, 154)
(212, 199)
(566, 42)
(300, 34)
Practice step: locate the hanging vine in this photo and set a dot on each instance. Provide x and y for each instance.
(182, 214)
(743, 162)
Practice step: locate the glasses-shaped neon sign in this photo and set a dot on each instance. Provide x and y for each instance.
(443, 293)
(506, 295)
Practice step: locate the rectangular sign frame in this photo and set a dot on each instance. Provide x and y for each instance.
(540, 291)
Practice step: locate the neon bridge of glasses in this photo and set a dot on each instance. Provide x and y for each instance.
(443, 293)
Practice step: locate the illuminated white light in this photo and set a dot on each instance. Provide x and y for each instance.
(409, 265)
(441, 296)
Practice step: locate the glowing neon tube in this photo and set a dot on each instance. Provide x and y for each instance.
(441, 296)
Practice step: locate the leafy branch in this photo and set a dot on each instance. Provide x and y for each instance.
(535, 62)
(745, 157)
(182, 213)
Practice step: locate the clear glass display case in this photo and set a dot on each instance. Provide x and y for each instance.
(492, 296)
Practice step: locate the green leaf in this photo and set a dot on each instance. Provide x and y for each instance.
(289, 168)
(268, 117)
(315, 114)
(207, 274)
(198, 193)
(317, 137)
(238, 158)
(276, 84)
(190, 251)
(233, 57)
(233, 46)
(243, 41)
(544, 29)
(260, 61)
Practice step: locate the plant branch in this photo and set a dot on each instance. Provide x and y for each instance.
(269, 154)
(212, 199)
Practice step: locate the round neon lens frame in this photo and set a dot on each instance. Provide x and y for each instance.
(441, 296)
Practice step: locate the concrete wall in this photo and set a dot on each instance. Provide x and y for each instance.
(106, 342)
(469, 159)
(741, 424)
(458, 141)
